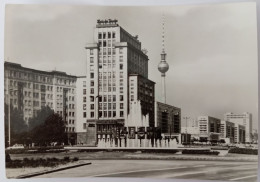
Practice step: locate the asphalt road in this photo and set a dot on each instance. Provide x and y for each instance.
(200, 170)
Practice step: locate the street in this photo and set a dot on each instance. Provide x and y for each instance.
(200, 170)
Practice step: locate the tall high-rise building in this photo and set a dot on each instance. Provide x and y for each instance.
(244, 119)
(117, 73)
(29, 90)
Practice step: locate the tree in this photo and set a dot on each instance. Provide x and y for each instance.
(17, 123)
(53, 130)
(40, 118)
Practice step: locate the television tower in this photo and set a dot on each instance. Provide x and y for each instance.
(163, 66)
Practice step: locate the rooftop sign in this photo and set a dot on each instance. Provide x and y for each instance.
(108, 22)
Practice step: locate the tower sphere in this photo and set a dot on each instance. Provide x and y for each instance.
(163, 67)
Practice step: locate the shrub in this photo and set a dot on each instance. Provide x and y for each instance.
(204, 152)
(66, 158)
(75, 159)
(243, 151)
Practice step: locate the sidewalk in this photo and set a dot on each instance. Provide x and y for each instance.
(21, 173)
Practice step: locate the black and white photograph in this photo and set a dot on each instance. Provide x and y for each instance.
(159, 92)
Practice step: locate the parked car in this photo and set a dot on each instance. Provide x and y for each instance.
(16, 146)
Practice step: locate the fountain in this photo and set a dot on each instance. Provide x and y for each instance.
(136, 123)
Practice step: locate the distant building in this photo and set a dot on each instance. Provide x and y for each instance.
(227, 130)
(31, 89)
(240, 133)
(208, 125)
(193, 130)
(167, 118)
(244, 119)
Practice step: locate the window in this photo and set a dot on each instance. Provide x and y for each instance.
(99, 35)
(121, 97)
(113, 35)
(105, 98)
(114, 113)
(121, 89)
(92, 106)
(114, 98)
(121, 66)
(104, 35)
(84, 126)
(92, 90)
(84, 83)
(84, 99)
(92, 114)
(113, 59)
(121, 58)
(109, 35)
(114, 105)
(91, 51)
(92, 83)
(84, 114)
(121, 51)
(105, 114)
(121, 105)
(121, 74)
(91, 60)
(91, 68)
(104, 43)
(84, 91)
(121, 113)
(84, 106)
(92, 98)
(91, 75)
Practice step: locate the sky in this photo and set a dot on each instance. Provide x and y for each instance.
(211, 49)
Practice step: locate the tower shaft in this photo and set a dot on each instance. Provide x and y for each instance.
(163, 89)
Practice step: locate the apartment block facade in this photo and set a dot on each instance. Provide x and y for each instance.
(29, 90)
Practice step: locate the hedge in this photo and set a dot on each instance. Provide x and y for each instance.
(204, 152)
(36, 150)
(243, 151)
(48, 162)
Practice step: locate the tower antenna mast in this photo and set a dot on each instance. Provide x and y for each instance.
(163, 66)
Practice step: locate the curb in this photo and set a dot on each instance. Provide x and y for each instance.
(50, 171)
